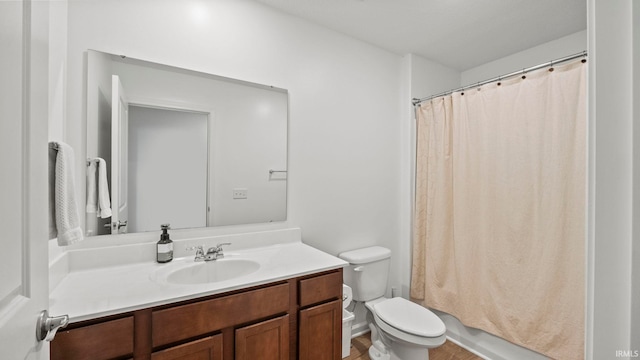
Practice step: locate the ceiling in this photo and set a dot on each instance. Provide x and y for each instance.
(460, 34)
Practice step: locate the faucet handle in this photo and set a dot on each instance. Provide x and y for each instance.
(198, 248)
(217, 250)
(219, 246)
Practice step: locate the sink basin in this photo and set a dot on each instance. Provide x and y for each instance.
(212, 271)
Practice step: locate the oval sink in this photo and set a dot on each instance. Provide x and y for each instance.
(212, 271)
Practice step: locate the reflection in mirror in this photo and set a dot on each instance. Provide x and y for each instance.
(181, 147)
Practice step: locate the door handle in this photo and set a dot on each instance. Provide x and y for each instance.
(47, 326)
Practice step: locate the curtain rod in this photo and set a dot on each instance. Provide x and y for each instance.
(416, 101)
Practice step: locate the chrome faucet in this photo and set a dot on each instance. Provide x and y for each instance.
(199, 252)
(213, 253)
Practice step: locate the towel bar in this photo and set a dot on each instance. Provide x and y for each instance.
(90, 160)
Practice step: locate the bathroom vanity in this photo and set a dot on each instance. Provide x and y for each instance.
(289, 308)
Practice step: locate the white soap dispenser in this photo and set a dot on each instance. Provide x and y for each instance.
(164, 249)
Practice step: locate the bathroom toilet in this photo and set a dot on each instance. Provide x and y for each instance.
(400, 329)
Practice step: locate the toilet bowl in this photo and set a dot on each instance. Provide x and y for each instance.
(400, 329)
(405, 330)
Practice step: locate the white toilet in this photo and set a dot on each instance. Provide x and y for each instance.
(400, 329)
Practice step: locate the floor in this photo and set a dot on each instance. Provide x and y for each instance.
(448, 351)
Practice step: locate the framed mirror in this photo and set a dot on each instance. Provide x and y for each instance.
(171, 145)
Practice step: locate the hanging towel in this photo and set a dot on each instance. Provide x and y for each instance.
(104, 203)
(92, 188)
(98, 189)
(64, 221)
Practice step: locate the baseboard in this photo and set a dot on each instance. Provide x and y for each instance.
(360, 328)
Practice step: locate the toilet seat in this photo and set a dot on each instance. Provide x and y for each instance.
(409, 317)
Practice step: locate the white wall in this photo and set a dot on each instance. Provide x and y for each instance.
(344, 133)
(430, 78)
(555, 49)
(611, 56)
(635, 260)
(57, 68)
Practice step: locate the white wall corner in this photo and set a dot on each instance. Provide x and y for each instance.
(406, 170)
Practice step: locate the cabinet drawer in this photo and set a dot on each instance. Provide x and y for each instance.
(107, 340)
(191, 320)
(209, 348)
(320, 288)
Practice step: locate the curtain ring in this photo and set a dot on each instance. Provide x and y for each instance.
(523, 74)
(551, 66)
(499, 80)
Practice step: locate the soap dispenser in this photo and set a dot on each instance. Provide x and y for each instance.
(164, 250)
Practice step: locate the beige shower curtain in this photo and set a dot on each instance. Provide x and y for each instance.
(500, 217)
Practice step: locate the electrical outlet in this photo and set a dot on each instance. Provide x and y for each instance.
(239, 193)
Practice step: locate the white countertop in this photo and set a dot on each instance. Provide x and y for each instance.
(92, 293)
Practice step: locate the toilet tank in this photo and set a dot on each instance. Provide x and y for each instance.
(368, 272)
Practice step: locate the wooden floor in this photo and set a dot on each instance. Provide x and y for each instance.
(448, 351)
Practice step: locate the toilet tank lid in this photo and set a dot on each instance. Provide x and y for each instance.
(365, 255)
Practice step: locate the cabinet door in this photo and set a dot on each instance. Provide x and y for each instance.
(107, 340)
(320, 333)
(209, 348)
(267, 340)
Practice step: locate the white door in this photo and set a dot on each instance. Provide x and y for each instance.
(24, 284)
(119, 156)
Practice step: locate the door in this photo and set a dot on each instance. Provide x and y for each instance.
(119, 155)
(24, 287)
(168, 151)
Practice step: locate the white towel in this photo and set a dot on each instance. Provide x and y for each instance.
(92, 188)
(104, 203)
(63, 210)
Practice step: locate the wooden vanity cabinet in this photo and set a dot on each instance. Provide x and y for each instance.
(285, 320)
(320, 323)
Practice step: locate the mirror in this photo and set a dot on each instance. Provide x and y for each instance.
(181, 147)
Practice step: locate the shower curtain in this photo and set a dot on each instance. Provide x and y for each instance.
(500, 209)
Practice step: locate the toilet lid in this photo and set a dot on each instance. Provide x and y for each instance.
(410, 317)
